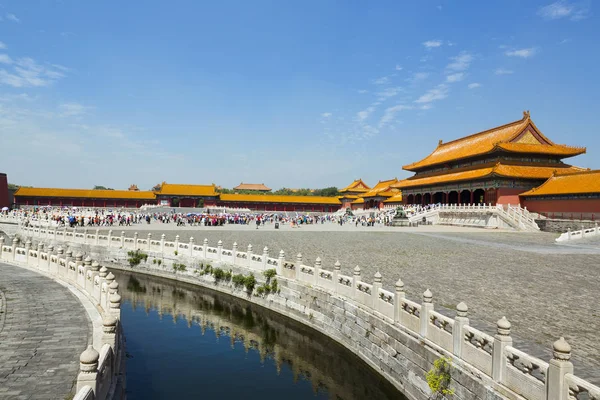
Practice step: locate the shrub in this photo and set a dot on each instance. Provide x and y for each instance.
(159, 262)
(154, 261)
(249, 283)
(274, 286)
(136, 257)
(175, 252)
(438, 378)
(219, 274)
(270, 273)
(179, 267)
(238, 280)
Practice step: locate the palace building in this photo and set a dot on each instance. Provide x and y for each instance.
(351, 193)
(177, 195)
(83, 197)
(494, 166)
(279, 203)
(255, 187)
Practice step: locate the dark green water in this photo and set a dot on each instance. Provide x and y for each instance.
(186, 342)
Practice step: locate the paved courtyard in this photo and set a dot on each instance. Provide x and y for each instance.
(43, 330)
(544, 289)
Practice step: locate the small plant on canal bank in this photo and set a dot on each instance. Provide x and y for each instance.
(136, 257)
(179, 267)
(438, 378)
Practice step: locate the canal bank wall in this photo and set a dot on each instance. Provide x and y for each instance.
(398, 337)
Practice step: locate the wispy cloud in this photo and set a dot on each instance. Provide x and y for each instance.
(363, 91)
(461, 62)
(563, 9)
(398, 67)
(474, 85)
(2, 46)
(523, 53)
(381, 81)
(438, 93)
(326, 114)
(388, 92)
(503, 71)
(28, 73)
(364, 114)
(13, 18)
(5, 59)
(72, 109)
(457, 77)
(564, 41)
(390, 114)
(417, 77)
(431, 44)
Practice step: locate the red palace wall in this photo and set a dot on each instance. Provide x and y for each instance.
(30, 201)
(574, 206)
(4, 202)
(509, 196)
(280, 207)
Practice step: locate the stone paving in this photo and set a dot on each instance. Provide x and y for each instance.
(545, 290)
(43, 330)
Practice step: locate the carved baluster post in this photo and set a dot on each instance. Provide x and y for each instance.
(457, 330)
(123, 239)
(377, 284)
(162, 244)
(398, 298)
(249, 254)
(191, 246)
(317, 271)
(97, 238)
(109, 330)
(280, 262)
(234, 253)
(298, 265)
(85, 235)
(109, 238)
(1, 244)
(205, 248)
(265, 258)
(27, 248)
(219, 250)
(177, 243)
(68, 256)
(559, 366)
(149, 241)
(501, 340)
(135, 241)
(426, 307)
(88, 369)
(355, 280)
(337, 268)
(15, 243)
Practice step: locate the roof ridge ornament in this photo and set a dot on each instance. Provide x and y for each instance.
(526, 114)
(441, 142)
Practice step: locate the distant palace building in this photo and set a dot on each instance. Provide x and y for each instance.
(256, 187)
(493, 166)
(177, 195)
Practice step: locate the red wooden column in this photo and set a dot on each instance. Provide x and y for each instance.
(471, 197)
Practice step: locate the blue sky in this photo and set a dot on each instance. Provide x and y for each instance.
(289, 93)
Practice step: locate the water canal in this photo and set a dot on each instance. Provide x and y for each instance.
(185, 341)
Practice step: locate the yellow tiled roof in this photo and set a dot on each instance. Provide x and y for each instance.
(356, 186)
(172, 189)
(265, 198)
(509, 171)
(348, 196)
(394, 199)
(381, 189)
(358, 201)
(85, 193)
(251, 186)
(492, 139)
(568, 183)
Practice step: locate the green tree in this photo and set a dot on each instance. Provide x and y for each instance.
(99, 187)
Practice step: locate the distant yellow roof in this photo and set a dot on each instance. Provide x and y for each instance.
(265, 198)
(394, 199)
(568, 183)
(252, 186)
(509, 171)
(357, 186)
(172, 189)
(520, 136)
(358, 201)
(85, 193)
(381, 189)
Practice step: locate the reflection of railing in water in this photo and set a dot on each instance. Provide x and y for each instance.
(326, 364)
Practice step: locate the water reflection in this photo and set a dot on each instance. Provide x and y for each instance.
(221, 347)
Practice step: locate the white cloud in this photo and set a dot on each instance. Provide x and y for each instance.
(474, 85)
(13, 18)
(563, 9)
(457, 77)
(523, 53)
(5, 59)
(564, 41)
(28, 73)
(388, 92)
(503, 71)
(72, 109)
(362, 91)
(418, 76)
(381, 81)
(438, 93)
(326, 115)
(461, 62)
(426, 107)
(398, 67)
(390, 114)
(2, 46)
(430, 44)
(364, 114)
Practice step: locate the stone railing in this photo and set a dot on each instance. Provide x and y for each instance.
(580, 234)
(508, 371)
(102, 363)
